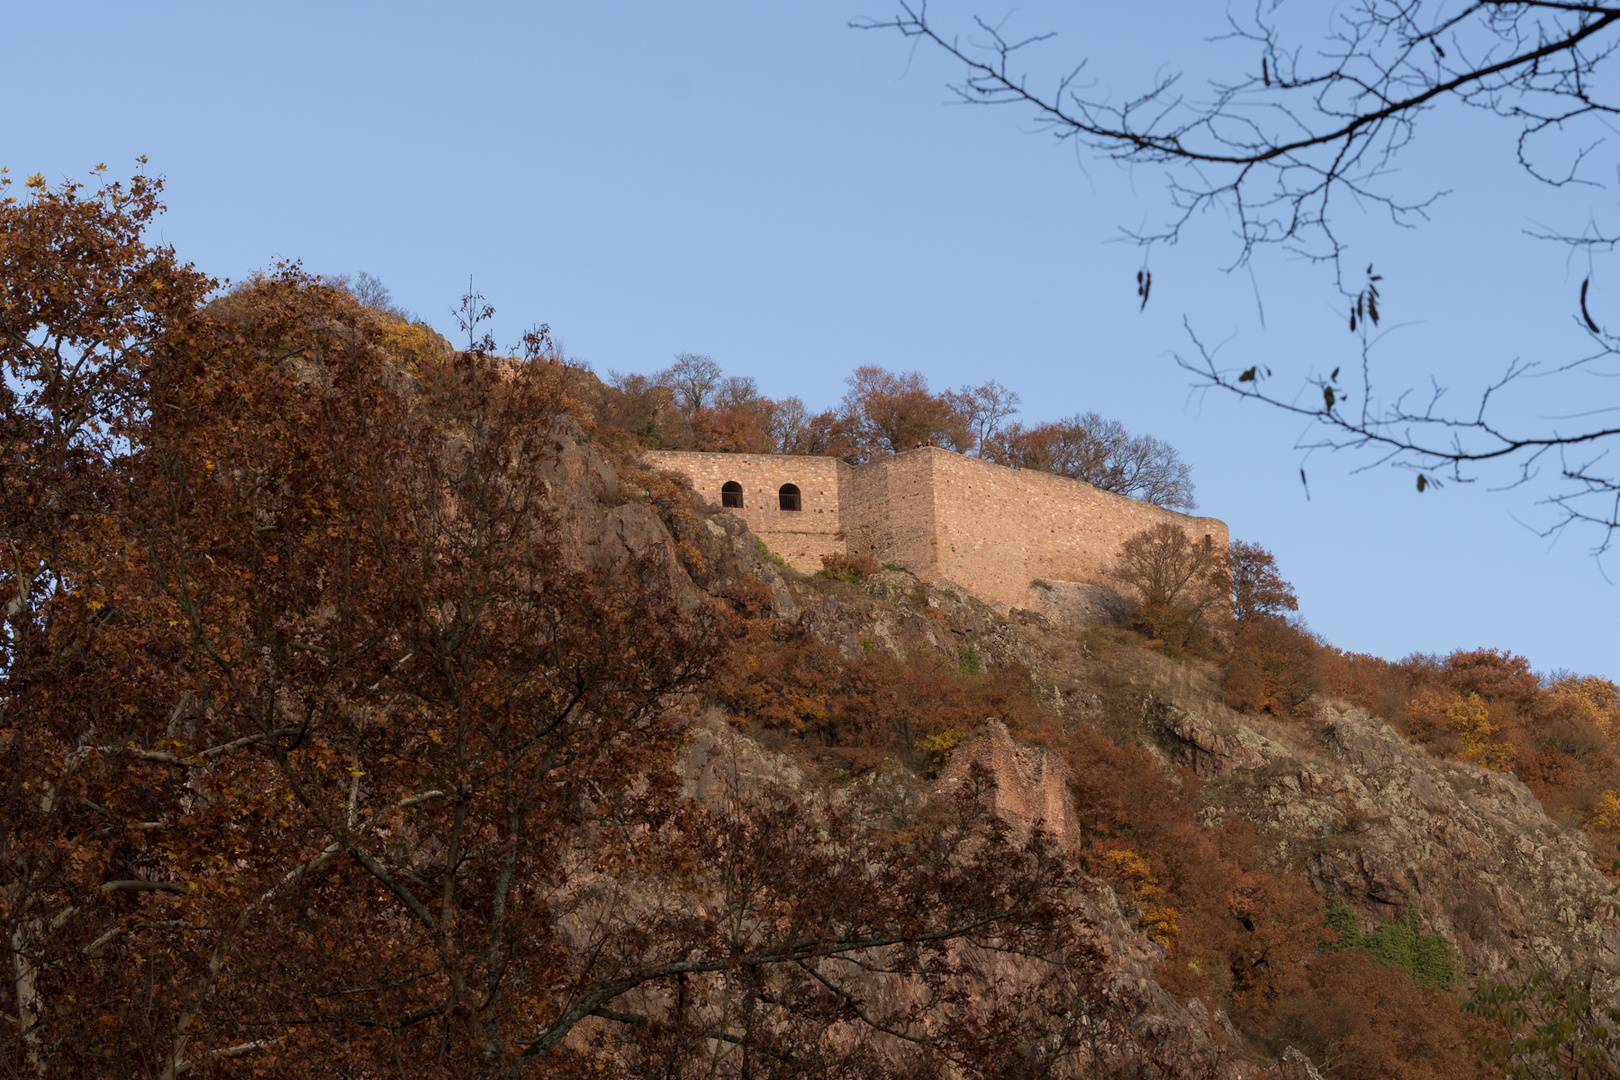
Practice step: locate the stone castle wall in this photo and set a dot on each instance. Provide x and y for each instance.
(889, 510)
(1001, 529)
(801, 537)
(992, 530)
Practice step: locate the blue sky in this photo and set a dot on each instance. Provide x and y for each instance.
(761, 183)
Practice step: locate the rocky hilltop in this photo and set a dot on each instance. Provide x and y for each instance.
(1371, 821)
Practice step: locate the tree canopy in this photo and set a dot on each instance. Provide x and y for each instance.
(694, 405)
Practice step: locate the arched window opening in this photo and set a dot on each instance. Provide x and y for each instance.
(731, 494)
(789, 497)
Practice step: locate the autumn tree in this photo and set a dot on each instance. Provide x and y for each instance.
(83, 300)
(1258, 590)
(333, 738)
(833, 434)
(1178, 582)
(643, 409)
(1271, 659)
(247, 675)
(890, 413)
(1272, 667)
(429, 681)
(730, 429)
(1100, 452)
(739, 419)
(84, 304)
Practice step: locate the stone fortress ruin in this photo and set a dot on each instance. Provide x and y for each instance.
(1013, 538)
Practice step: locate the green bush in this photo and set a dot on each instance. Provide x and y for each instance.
(967, 662)
(769, 554)
(1428, 958)
(1341, 919)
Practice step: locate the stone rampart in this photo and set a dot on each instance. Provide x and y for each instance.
(800, 536)
(992, 530)
(999, 530)
(1031, 782)
(888, 508)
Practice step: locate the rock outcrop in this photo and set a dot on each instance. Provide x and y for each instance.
(1383, 825)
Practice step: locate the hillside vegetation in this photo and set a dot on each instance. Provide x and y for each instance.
(368, 709)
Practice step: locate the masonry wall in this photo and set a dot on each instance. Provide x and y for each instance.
(801, 537)
(888, 511)
(1000, 529)
(992, 530)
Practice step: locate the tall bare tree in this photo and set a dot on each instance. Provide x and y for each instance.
(985, 408)
(1179, 582)
(693, 378)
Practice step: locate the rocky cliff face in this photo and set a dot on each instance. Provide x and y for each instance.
(1342, 798)
(1370, 819)
(1382, 825)
(1140, 1029)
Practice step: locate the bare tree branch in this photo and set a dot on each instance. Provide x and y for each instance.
(1317, 121)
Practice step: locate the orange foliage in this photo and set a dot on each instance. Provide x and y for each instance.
(1258, 590)
(1271, 667)
(1559, 736)
(1603, 822)
(1134, 883)
(1426, 713)
(730, 429)
(779, 679)
(1471, 720)
(1596, 699)
(1370, 682)
(1362, 1020)
(1494, 675)
(412, 344)
(864, 709)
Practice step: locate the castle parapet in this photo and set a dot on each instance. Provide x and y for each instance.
(992, 530)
